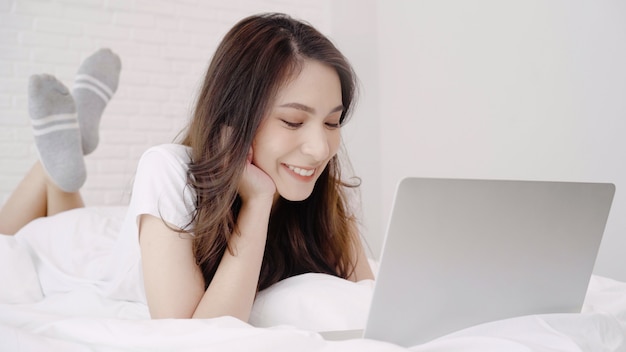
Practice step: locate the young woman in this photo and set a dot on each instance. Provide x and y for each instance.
(253, 194)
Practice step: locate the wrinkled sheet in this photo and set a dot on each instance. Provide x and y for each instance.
(285, 317)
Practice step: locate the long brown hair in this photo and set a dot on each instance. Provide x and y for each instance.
(254, 60)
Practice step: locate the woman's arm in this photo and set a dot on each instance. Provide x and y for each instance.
(234, 285)
(362, 269)
(174, 283)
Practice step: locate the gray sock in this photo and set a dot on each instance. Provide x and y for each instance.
(96, 82)
(57, 134)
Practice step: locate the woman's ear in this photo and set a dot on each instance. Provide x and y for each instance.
(250, 154)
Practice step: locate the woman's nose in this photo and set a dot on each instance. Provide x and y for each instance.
(315, 144)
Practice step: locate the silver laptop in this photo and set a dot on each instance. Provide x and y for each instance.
(459, 253)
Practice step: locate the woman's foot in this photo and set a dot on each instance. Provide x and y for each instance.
(95, 84)
(56, 131)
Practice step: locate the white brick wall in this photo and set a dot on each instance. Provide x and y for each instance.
(165, 47)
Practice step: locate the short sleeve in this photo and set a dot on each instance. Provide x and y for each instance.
(160, 188)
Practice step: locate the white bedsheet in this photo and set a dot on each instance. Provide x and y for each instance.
(285, 317)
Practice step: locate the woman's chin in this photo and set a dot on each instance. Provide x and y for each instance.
(295, 196)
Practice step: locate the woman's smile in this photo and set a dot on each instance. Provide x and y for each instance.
(300, 171)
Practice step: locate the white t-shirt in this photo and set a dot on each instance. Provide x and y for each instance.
(160, 189)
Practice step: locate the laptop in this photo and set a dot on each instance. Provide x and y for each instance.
(459, 253)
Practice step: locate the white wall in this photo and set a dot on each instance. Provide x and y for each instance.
(355, 32)
(165, 47)
(527, 89)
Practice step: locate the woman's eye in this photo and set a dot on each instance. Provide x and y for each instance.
(293, 125)
(333, 125)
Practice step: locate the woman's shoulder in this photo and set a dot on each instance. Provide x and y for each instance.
(172, 151)
(165, 161)
(160, 183)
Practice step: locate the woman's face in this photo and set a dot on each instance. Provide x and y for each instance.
(301, 133)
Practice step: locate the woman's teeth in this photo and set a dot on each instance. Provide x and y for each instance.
(301, 172)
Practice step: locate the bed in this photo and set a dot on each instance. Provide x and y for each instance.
(285, 317)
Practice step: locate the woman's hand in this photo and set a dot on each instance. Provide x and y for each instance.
(255, 183)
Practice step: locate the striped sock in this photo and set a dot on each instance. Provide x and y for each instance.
(56, 131)
(95, 84)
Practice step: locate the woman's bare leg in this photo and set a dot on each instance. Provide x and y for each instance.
(52, 185)
(35, 196)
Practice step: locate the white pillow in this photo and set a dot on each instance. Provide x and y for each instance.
(20, 283)
(316, 302)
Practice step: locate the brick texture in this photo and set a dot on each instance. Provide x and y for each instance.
(165, 47)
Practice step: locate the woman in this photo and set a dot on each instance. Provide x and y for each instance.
(253, 194)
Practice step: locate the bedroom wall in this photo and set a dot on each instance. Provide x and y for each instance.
(165, 47)
(507, 89)
(356, 34)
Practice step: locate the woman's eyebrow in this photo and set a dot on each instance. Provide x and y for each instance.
(308, 109)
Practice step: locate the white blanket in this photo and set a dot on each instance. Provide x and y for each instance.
(285, 317)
